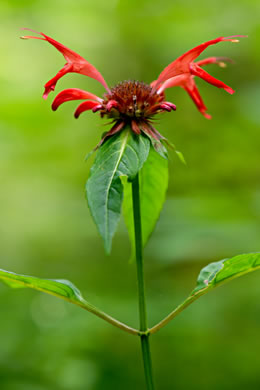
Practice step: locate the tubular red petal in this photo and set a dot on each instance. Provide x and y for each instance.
(153, 83)
(192, 54)
(85, 106)
(206, 61)
(75, 63)
(72, 94)
(30, 29)
(231, 38)
(173, 106)
(174, 82)
(197, 71)
(97, 108)
(111, 104)
(193, 91)
(50, 85)
(214, 60)
(165, 107)
(30, 36)
(181, 64)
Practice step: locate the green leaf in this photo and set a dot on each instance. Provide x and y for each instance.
(214, 275)
(158, 146)
(153, 186)
(121, 155)
(181, 157)
(173, 147)
(60, 288)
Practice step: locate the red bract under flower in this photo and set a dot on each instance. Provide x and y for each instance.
(131, 102)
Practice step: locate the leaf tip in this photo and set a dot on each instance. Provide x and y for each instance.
(107, 246)
(181, 157)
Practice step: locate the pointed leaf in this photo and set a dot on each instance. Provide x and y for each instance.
(214, 275)
(158, 146)
(173, 147)
(58, 287)
(153, 185)
(121, 155)
(181, 157)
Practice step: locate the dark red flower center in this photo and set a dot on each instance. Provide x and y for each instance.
(131, 100)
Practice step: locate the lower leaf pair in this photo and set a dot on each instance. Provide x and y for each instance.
(213, 275)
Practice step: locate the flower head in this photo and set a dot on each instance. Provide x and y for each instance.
(135, 103)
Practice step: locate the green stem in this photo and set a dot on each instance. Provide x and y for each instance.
(141, 288)
(111, 320)
(173, 314)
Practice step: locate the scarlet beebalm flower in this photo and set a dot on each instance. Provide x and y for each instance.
(135, 103)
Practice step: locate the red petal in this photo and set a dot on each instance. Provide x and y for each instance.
(72, 94)
(193, 91)
(51, 84)
(231, 38)
(165, 107)
(171, 105)
(85, 106)
(174, 82)
(75, 63)
(153, 83)
(111, 104)
(197, 71)
(97, 108)
(181, 64)
(214, 60)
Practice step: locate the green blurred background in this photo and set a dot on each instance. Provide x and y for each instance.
(212, 209)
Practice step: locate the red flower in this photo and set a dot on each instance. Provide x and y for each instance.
(133, 102)
(181, 73)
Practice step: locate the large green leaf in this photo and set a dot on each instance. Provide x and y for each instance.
(153, 186)
(122, 155)
(214, 275)
(62, 289)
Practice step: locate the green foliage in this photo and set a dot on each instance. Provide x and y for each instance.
(215, 274)
(122, 155)
(153, 185)
(60, 288)
(158, 146)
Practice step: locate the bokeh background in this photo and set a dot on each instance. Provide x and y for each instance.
(212, 209)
